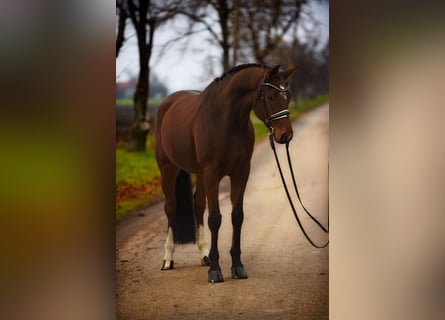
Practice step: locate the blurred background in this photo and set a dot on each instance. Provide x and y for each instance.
(189, 49)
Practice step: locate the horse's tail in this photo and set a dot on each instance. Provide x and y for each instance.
(184, 223)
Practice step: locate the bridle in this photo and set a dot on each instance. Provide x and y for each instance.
(268, 119)
(280, 114)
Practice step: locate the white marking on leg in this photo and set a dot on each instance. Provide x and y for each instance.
(169, 246)
(202, 242)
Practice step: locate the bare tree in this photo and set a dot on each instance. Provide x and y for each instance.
(264, 23)
(312, 74)
(245, 28)
(200, 12)
(224, 9)
(146, 16)
(122, 16)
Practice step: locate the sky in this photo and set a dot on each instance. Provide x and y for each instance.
(183, 65)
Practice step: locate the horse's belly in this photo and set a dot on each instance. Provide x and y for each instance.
(178, 143)
(183, 156)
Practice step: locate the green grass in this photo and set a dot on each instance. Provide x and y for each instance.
(126, 206)
(307, 104)
(259, 127)
(129, 102)
(134, 170)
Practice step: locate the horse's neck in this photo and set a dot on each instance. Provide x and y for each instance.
(240, 97)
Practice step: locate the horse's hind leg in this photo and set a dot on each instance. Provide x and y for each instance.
(238, 186)
(199, 207)
(168, 181)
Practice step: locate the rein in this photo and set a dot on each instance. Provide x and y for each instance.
(270, 118)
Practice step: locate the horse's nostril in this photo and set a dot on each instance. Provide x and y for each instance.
(283, 138)
(290, 137)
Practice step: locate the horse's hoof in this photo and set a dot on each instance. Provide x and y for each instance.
(239, 273)
(205, 261)
(167, 265)
(215, 276)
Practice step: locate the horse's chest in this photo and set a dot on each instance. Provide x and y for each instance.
(228, 153)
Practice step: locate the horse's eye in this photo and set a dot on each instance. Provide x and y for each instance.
(270, 98)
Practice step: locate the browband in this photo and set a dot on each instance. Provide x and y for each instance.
(275, 87)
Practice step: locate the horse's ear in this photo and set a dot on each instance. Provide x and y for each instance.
(287, 73)
(271, 73)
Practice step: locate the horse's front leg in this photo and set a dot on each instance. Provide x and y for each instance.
(238, 186)
(211, 185)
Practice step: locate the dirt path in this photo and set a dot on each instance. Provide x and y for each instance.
(288, 279)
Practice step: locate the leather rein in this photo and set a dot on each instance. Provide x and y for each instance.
(268, 119)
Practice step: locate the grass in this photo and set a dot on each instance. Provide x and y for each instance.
(135, 167)
(137, 174)
(307, 104)
(124, 207)
(129, 102)
(260, 128)
(137, 178)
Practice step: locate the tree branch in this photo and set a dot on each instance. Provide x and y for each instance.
(199, 19)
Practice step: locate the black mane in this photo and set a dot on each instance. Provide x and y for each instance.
(239, 68)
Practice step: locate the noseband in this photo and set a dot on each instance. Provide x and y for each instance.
(280, 114)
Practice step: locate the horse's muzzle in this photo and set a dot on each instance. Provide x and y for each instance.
(285, 138)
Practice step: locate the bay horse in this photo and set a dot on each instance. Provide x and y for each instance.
(210, 134)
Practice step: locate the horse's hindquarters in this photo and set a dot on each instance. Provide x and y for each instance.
(175, 130)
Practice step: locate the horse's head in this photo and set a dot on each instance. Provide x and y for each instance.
(273, 102)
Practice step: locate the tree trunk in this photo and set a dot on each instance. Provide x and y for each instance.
(141, 123)
(235, 33)
(224, 12)
(120, 38)
(138, 138)
(141, 126)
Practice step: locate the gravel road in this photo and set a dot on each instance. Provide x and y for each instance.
(288, 279)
